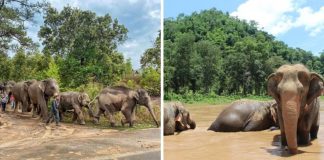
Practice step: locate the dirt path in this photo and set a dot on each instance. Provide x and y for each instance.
(23, 137)
(203, 144)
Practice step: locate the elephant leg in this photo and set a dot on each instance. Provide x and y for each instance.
(128, 117)
(96, 118)
(34, 110)
(314, 131)
(16, 107)
(303, 137)
(315, 127)
(79, 113)
(74, 118)
(110, 117)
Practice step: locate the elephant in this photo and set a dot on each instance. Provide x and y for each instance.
(296, 91)
(176, 118)
(246, 115)
(119, 98)
(20, 92)
(40, 92)
(8, 87)
(74, 100)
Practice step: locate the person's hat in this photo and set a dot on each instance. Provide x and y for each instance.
(56, 95)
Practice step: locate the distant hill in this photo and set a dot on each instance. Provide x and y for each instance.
(212, 52)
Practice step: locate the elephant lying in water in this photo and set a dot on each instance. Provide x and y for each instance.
(75, 101)
(246, 115)
(119, 98)
(176, 118)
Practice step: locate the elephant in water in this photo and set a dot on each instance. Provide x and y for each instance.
(40, 92)
(176, 118)
(75, 101)
(119, 98)
(246, 115)
(296, 91)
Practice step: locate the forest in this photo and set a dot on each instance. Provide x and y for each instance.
(213, 53)
(78, 48)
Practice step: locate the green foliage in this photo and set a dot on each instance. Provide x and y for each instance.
(213, 53)
(211, 98)
(13, 15)
(150, 80)
(89, 51)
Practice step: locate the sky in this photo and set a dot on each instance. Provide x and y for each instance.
(141, 18)
(298, 23)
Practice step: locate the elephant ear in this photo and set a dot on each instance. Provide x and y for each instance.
(272, 85)
(178, 112)
(273, 112)
(136, 95)
(315, 87)
(80, 97)
(41, 86)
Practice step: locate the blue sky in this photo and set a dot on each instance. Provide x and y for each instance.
(299, 23)
(141, 18)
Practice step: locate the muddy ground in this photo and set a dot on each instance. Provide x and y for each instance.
(203, 144)
(23, 137)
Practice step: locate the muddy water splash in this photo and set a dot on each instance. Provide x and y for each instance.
(203, 144)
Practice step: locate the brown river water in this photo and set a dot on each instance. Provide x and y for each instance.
(200, 144)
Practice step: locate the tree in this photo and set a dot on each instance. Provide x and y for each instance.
(151, 57)
(86, 44)
(13, 15)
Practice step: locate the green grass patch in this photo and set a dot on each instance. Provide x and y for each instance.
(322, 98)
(197, 98)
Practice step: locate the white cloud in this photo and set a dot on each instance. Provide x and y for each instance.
(313, 21)
(279, 16)
(270, 15)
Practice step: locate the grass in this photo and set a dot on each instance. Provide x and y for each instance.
(197, 98)
(322, 98)
(143, 120)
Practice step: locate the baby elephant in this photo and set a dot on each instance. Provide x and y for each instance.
(75, 101)
(176, 118)
(246, 115)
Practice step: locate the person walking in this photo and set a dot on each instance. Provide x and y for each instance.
(54, 110)
(4, 100)
(12, 100)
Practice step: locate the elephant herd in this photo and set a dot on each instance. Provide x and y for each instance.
(295, 109)
(33, 95)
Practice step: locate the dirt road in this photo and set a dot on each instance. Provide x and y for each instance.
(23, 137)
(203, 144)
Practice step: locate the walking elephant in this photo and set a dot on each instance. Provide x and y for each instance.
(40, 92)
(246, 115)
(176, 118)
(75, 101)
(20, 92)
(296, 92)
(119, 98)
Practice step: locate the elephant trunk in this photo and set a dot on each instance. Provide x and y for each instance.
(290, 113)
(150, 108)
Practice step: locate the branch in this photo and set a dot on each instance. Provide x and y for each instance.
(2, 4)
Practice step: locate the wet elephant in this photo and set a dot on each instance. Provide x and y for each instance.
(246, 115)
(75, 101)
(20, 92)
(118, 98)
(176, 118)
(296, 91)
(40, 92)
